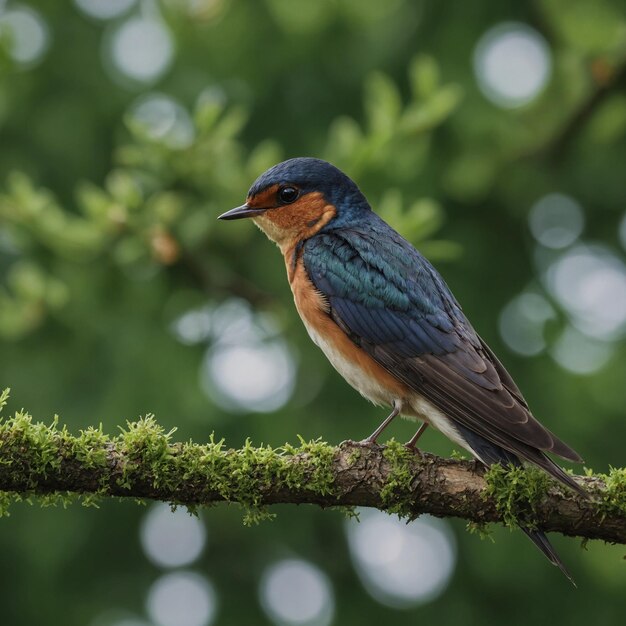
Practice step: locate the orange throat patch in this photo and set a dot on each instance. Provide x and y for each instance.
(288, 225)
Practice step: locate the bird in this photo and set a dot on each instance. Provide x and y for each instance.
(389, 324)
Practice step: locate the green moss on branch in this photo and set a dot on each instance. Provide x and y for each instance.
(516, 492)
(49, 464)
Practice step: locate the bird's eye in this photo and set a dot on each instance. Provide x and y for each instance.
(287, 195)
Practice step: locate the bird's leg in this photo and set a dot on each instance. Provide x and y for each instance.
(374, 436)
(410, 444)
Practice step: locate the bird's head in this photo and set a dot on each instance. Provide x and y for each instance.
(297, 198)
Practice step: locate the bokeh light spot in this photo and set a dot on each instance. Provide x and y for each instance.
(256, 377)
(172, 538)
(522, 323)
(294, 591)
(163, 119)
(141, 49)
(182, 599)
(401, 565)
(193, 327)
(104, 9)
(116, 617)
(580, 354)
(204, 10)
(512, 64)
(248, 367)
(590, 283)
(622, 232)
(27, 34)
(556, 221)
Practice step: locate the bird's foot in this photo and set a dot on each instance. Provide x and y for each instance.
(411, 444)
(364, 443)
(413, 448)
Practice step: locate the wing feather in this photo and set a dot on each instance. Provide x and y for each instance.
(394, 305)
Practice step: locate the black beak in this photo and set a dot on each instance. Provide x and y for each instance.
(240, 212)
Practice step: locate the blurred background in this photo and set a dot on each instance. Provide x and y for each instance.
(491, 134)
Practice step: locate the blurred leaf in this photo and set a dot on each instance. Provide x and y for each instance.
(301, 17)
(27, 281)
(93, 200)
(207, 112)
(125, 189)
(469, 176)
(382, 103)
(609, 122)
(345, 139)
(424, 218)
(424, 77)
(231, 123)
(591, 27)
(421, 220)
(424, 116)
(167, 206)
(261, 158)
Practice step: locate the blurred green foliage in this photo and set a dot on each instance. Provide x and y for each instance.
(108, 235)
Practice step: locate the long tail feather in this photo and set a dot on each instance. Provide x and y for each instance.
(550, 467)
(541, 541)
(489, 453)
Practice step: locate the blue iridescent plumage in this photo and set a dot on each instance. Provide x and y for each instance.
(395, 307)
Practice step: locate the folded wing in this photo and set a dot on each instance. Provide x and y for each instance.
(394, 305)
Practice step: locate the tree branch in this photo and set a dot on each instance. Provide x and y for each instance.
(143, 462)
(604, 79)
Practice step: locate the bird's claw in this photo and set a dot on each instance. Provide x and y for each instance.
(413, 448)
(364, 443)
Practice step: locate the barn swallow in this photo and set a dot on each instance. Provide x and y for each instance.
(389, 324)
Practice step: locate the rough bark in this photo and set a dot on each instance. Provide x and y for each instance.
(145, 464)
